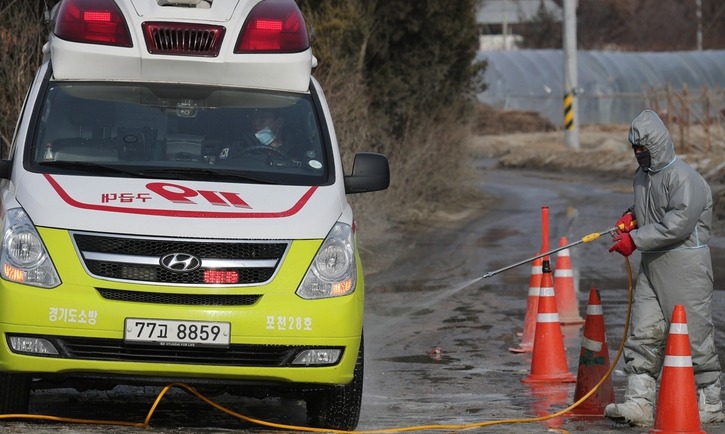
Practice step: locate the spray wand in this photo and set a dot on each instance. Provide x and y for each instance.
(585, 239)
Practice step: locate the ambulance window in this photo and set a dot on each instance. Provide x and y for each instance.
(180, 131)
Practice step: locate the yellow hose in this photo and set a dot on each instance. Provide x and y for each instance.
(146, 422)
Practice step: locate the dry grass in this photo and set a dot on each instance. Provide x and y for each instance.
(430, 166)
(604, 151)
(489, 121)
(432, 184)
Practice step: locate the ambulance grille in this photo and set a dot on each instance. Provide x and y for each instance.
(178, 299)
(82, 348)
(183, 39)
(138, 259)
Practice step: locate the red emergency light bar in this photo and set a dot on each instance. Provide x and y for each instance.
(92, 22)
(273, 26)
(102, 16)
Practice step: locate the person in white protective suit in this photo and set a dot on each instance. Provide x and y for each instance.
(670, 225)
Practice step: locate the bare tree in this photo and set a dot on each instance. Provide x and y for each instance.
(22, 34)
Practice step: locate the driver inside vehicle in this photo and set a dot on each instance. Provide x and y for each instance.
(268, 128)
(270, 141)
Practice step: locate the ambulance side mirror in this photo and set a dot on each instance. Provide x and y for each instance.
(370, 172)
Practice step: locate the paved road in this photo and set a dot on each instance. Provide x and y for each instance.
(423, 302)
(432, 297)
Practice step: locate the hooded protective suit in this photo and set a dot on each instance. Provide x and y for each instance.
(673, 209)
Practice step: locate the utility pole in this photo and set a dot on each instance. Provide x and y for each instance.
(571, 123)
(698, 14)
(505, 29)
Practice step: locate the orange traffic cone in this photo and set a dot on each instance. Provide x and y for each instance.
(532, 307)
(566, 301)
(548, 362)
(677, 399)
(593, 363)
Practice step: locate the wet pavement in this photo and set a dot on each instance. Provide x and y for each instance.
(429, 300)
(437, 334)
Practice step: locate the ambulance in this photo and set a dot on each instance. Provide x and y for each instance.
(174, 209)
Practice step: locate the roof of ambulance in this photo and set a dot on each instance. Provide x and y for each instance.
(170, 42)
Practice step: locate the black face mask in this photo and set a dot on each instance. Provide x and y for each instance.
(644, 160)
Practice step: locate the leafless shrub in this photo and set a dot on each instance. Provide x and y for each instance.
(430, 167)
(22, 34)
(687, 112)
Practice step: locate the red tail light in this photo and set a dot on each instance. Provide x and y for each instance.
(92, 22)
(274, 26)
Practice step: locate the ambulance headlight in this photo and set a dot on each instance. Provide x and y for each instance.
(32, 345)
(333, 272)
(318, 357)
(24, 258)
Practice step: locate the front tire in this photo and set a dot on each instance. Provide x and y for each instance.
(338, 407)
(14, 393)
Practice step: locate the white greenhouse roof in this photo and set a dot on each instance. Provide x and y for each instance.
(611, 84)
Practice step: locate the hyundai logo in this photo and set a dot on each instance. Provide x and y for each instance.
(180, 262)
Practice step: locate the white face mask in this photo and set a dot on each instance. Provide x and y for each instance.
(265, 136)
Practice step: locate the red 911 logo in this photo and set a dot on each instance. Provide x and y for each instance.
(181, 194)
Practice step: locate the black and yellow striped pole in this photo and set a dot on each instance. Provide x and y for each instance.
(569, 110)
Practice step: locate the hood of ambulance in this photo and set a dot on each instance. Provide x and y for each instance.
(187, 209)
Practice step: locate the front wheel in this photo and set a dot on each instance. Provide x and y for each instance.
(14, 393)
(338, 407)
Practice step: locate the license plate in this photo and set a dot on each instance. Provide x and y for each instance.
(177, 333)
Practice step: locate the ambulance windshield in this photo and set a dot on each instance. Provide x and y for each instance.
(180, 132)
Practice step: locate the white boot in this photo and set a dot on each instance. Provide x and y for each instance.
(638, 406)
(710, 404)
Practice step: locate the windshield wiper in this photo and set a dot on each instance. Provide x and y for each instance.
(90, 167)
(189, 173)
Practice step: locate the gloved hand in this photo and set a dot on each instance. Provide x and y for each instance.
(626, 223)
(625, 245)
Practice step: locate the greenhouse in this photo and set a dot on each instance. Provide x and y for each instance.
(613, 87)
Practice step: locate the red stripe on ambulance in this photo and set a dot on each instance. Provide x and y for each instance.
(182, 194)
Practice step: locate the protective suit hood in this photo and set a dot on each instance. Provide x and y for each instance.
(648, 130)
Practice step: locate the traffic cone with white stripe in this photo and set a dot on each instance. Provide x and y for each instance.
(532, 306)
(566, 301)
(548, 362)
(677, 399)
(593, 363)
